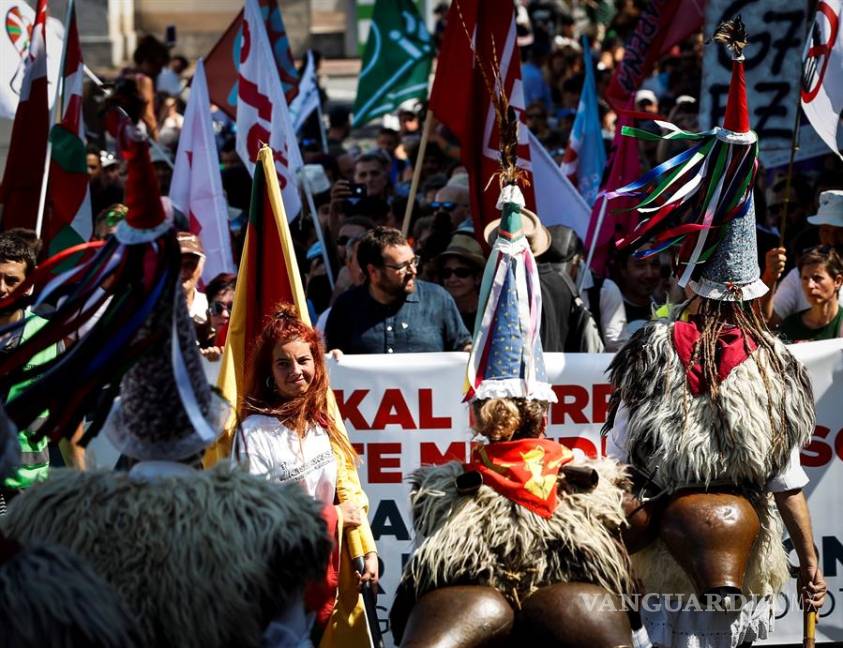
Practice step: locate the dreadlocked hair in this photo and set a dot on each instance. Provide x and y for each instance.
(299, 413)
(716, 317)
(502, 419)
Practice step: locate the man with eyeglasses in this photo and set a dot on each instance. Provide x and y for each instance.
(394, 312)
(454, 199)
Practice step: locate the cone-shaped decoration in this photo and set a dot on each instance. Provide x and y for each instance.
(737, 113)
(166, 409)
(506, 358)
(145, 220)
(732, 33)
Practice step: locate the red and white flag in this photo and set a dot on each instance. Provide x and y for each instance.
(822, 72)
(262, 114)
(68, 220)
(196, 189)
(469, 113)
(21, 188)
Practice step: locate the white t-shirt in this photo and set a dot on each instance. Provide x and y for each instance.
(270, 448)
(790, 298)
(199, 307)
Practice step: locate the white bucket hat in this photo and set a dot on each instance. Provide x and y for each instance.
(831, 209)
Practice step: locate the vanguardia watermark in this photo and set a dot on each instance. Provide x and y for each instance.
(655, 602)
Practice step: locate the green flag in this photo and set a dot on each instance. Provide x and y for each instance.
(396, 61)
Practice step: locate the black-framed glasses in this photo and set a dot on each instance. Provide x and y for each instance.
(403, 267)
(447, 205)
(461, 273)
(218, 307)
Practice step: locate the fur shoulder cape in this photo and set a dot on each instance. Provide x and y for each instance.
(488, 539)
(680, 439)
(206, 559)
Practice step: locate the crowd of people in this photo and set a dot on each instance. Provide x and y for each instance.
(373, 289)
(361, 184)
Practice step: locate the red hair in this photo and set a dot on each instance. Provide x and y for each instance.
(262, 397)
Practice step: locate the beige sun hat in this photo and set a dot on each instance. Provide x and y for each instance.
(536, 233)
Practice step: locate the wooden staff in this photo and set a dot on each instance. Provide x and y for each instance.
(414, 185)
(809, 632)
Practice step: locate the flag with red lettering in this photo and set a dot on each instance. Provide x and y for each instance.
(822, 72)
(223, 59)
(262, 114)
(268, 275)
(21, 187)
(68, 220)
(196, 188)
(478, 35)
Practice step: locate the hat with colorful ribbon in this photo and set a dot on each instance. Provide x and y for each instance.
(700, 201)
(123, 303)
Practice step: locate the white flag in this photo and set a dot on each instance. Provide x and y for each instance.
(822, 72)
(557, 200)
(14, 48)
(262, 115)
(196, 188)
(307, 100)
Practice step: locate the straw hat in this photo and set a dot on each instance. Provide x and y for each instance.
(536, 233)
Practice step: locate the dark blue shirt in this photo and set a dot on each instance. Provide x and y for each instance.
(426, 320)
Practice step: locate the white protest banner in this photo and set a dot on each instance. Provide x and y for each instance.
(776, 30)
(18, 19)
(404, 411)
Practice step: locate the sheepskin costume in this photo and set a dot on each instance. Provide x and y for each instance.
(683, 440)
(487, 539)
(206, 559)
(50, 597)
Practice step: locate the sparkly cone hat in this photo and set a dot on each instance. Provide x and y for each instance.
(700, 201)
(506, 359)
(127, 292)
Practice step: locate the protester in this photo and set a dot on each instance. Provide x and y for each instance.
(460, 271)
(192, 264)
(220, 295)
(288, 436)
(393, 312)
(821, 272)
(17, 262)
(787, 297)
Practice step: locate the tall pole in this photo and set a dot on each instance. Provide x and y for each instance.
(600, 215)
(414, 185)
(308, 193)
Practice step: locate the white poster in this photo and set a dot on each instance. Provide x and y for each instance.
(403, 411)
(776, 30)
(18, 18)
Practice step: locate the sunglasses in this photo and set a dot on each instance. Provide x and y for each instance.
(403, 267)
(218, 307)
(447, 205)
(461, 273)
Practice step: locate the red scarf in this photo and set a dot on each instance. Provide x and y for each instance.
(523, 471)
(731, 351)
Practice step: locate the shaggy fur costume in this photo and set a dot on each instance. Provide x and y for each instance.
(679, 439)
(682, 440)
(204, 560)
(488, 539)
(49, 597)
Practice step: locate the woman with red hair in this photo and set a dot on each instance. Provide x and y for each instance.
(288, 435)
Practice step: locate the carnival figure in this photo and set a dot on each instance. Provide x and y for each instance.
(214, 558)
(709, 408)
(523, 542)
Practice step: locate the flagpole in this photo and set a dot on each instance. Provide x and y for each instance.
(601, 214)
(308, 193)
(322, 126)
(58, 106)
(414, 185)
(794, 146)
